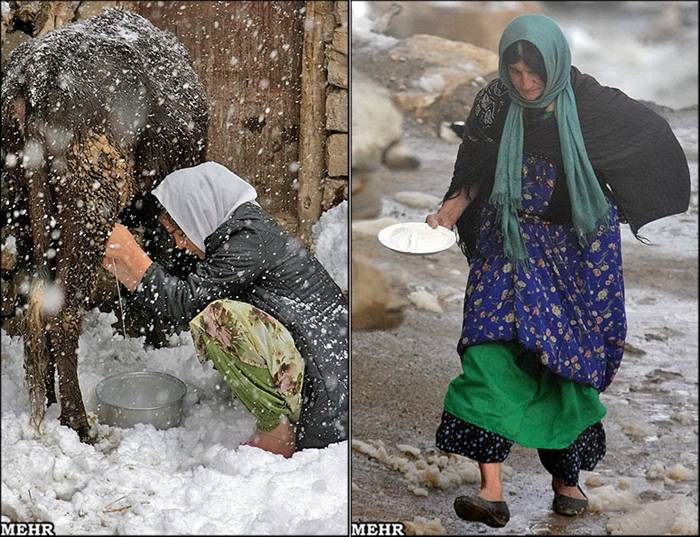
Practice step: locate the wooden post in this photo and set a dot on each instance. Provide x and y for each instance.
(312, 118)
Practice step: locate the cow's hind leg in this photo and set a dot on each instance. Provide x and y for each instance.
(101, 183)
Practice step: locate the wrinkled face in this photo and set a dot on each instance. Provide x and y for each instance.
(528, 84)
(181, 240)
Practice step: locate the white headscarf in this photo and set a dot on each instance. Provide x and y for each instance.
(201, 198)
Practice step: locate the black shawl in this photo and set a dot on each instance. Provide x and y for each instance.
(635, 155)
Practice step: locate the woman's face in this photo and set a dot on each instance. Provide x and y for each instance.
(181, 240)
(528, 84)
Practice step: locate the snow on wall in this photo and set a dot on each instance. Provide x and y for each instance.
(330, 236)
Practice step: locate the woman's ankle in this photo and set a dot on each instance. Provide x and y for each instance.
(493, 494)
(491, 482)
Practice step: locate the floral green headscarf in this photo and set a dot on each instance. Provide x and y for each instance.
(589, 207)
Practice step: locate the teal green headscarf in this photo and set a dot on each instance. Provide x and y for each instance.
(589, 208)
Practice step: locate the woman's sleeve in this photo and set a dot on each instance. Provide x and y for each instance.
(224, 274)
(634, 151)
(482, 131)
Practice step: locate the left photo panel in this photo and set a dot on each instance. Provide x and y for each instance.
(175, 252)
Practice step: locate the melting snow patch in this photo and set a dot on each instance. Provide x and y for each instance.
(684, 418)
(424, 526)
(424, 471)
(425, 301)
(637, 429)
(595, 480)
(610, 498)
(677, 516)
(677, 472)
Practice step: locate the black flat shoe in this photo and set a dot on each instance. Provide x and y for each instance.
(568, 506)
(477, 509)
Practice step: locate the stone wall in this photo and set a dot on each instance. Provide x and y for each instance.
(335, 184)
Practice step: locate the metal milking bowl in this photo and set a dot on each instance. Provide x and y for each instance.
(150, 397)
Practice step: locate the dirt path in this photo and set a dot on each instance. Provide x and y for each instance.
(399, 376)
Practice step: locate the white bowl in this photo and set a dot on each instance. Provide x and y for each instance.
(416, 238)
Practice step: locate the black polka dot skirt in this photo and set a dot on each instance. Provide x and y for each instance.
(458, 436)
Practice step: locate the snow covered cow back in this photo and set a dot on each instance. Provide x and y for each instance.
(93, 114)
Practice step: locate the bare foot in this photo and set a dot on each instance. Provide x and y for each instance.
(559, 487)
(279, 440)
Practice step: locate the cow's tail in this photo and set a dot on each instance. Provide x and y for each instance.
(36, 354)
(38, 366)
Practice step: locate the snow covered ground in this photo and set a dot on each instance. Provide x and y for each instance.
(192, 479)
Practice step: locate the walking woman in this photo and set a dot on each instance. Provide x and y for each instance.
(551, 162)
(258, 305)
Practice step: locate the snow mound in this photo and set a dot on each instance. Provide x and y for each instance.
(192, 479)
(330, 236)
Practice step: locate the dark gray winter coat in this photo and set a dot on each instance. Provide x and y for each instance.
(252, 259)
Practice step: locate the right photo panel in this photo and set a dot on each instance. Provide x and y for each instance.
(524, 274)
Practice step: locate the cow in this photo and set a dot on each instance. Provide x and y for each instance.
(94, 115)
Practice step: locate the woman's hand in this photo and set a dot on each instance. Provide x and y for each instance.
(449, 213)
(436, 219)
(125, 258)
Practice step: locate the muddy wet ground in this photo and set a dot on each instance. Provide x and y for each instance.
(399, 376)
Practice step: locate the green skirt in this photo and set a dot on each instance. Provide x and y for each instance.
(508, 391)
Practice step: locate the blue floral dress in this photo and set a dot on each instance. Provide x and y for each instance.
(569, 306)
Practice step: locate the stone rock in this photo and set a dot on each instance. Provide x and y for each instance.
(340, 40)
(366, 195)
(337, 155)
(432, 78)
(417, 200)
(337, 68)
(341, 11)
(337, 111)
(328, 23)
(399, 157)
(42, 17)
(376, 123)
(479, 23)
(375, 304)
(334, 192)
(377, 127)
